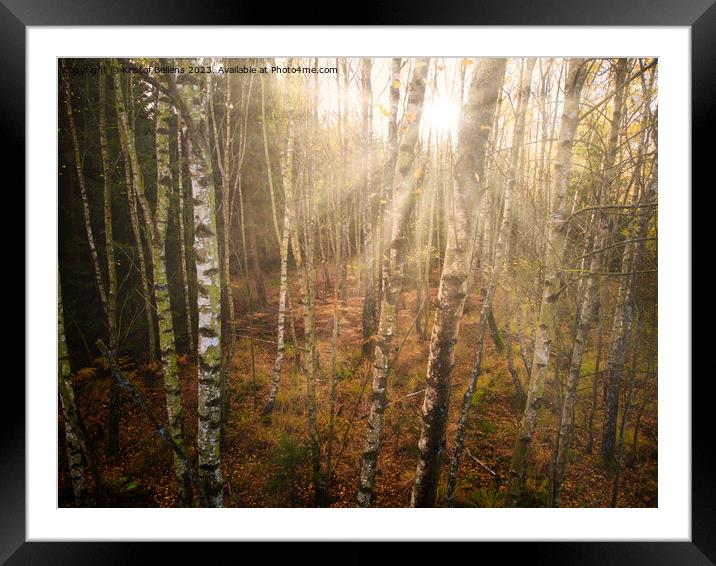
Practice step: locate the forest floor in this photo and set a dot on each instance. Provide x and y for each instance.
(266, 462)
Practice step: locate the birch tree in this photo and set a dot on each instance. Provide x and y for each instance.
(386, 172)
(383, 225)
(167, 340)
(280, 339)
(622, 323)
(113, 420)
(287, 182)
(156, 224)
(403, 198)
(192, 98)
(369, 303)
(308, 291)
(644, 199)
(556, 229)
(229, 315)
(475, 127)
(73, 433)
(109, 304)
(601, 222)
(500, 249)
(308, 286)
(183, 262)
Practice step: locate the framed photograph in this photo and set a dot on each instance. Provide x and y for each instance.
(423, 282)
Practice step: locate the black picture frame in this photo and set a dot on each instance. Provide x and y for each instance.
(699, 15)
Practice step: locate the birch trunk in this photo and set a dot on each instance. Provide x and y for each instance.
(296, 201)
(429, 251)
(287, 180)
(253, 251)
(243, 226)
(269, 174)
(631, 264)
(73, 431)
(182, 239)
(206, 251)
(167, 340)
(476, 125)
(310, 224)
(110, 311)
(520, 393)
(308, 287)
(566, 426)
(128, 143)
(369, 303)
(556, 228)
(625, 416)
(595, 378)
(341, 217)
(622, 325)
(156, 226)
(394, 265)
(502, 244)
(333, 378)
(113, 418)
(420, 210)
(386, 194)
(280, 341)
(108, 234)
(228, 320)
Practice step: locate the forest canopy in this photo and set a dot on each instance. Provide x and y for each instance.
(363, 282)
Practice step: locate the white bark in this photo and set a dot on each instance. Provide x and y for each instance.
(501, 246)
(476, 125)
(206, 251)
(394, 265)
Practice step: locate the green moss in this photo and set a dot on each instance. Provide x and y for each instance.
(486, 427)
(478, 397)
